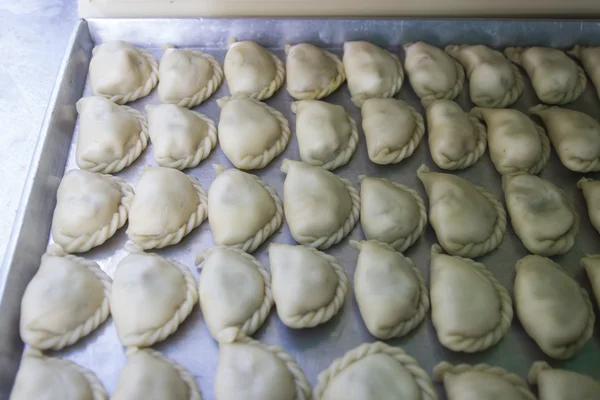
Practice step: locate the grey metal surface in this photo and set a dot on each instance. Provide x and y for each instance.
(314, 348)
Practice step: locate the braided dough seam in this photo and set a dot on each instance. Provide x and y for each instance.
(325, 91)
(359, 99)
(57, 342)
(145, 242)
(444, 368)
(473, 344)
(367, 349)
(83, 243)
(468, 159)
(303, 390)
(258, 318)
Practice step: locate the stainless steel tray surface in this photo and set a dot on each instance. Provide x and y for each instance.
(314, 348)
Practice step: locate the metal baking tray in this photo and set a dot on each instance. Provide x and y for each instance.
(314, 348)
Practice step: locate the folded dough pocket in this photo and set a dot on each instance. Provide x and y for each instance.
(541, 214)
(309, 286)
(591, 194)
(467, 219)
(110, 137)
(320, 207)
(591, 264)
(590, 58)
(327, 135)
(251, 133)
(554, 310)
(560, 384)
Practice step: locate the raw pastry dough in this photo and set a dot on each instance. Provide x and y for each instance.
(515, 142)
(312, 73)
(432, 73)
(251, 133)
(251, 370)
(457, 139)
(480, 382)
(574, 135)
(90, 207)
(541, 214)
(188, 77)
(555, 77)
(592, 267)
(560, 384)
(390, 291)
(235, 290)
(121, 72)
(167, 205)
(467, 219)
(393, 130)
(371, 71)
(591, 193)
(320, 208)
(470, 309)
(374, 371)
(552, 308)
(590, 58)
(110, 137)
(66, 300)
(493, 80)
(41, 377)
(151, 297)
(327, 135)
(181, 138)
(390, 212)
(149, 375)
(253, 71)
(243, 210)
(309, 286)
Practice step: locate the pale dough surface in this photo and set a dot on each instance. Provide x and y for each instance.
(432, 73)
(393, 129)
(515, 142)
(591, 193)
(541, 214)
(592, 267)
(560, 384)
(590, 58)
(311, 72)
(556, 313)
(371, 71)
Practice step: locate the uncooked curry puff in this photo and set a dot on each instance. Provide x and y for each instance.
(327, 135)
(591, 264)
(515, 142)
(121, 72)
(493, 80)
(374, 371)
(456, 139)
(591, 194)
(467, 219)
(574, 135)
(320, 207)
(151, 297)
(66, 300)
(371, 71)
(470, 309)
(234, 289)
(391, 212)
(251, 370)
(390, 291)
(188, 77)
(251, 133)
(560, 384)
(243, 210)
(312, 73)
(309, 287)
(42, 377)
(149, 375)
(110, 137)
(432, 73)
(90, 207)
(555, 77)
(253, 71)
(167, 205)
(554, 310)
(541, 214)
(590, 58)
(393, 129)
(481, 382)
